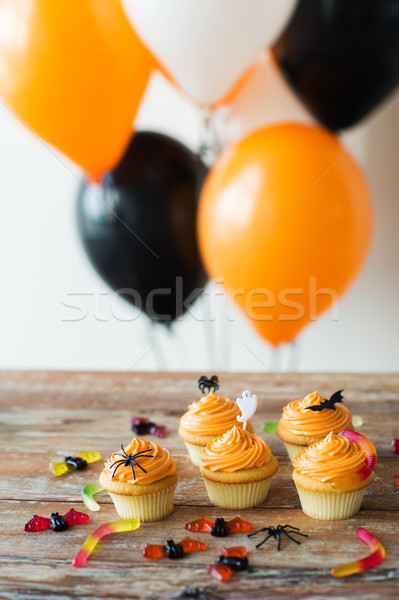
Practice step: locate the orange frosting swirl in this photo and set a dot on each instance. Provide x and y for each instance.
(298, 419)
(158, 463)
(212, 415)
(335, 459)
(236, 449)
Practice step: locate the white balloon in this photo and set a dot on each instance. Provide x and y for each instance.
(207, 44)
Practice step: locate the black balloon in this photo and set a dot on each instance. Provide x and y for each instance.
(138, 228)
(341, 56)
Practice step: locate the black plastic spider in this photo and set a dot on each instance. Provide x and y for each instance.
(128, 460)
(277, 532)
(208, 383)
(196, 594)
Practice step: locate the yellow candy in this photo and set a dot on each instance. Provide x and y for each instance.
(58, 468)
(89, 457)
(357, 421)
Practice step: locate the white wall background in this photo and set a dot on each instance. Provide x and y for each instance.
(42, 262)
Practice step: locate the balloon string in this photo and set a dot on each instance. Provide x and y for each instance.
(210, 146)
(179, 345)
(275, 358)
(225, 344)
(155, 343)
(210, 341)
(294, 354)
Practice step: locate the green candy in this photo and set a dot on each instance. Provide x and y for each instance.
(90, 490)
(270, 427)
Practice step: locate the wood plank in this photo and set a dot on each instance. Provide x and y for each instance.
(45, 415)
(33, 481)
(118, 563)
(174, 390)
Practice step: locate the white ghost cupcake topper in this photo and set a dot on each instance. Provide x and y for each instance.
(247, 405)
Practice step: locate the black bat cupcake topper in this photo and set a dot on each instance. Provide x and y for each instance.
(337, 397)
(208, 383)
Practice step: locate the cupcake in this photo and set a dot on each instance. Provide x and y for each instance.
(332, 476)
(303, 423)
(205, 421)
(141, 480)
(237, 469)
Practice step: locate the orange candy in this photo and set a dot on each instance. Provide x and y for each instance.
(239, 551)
(220, 572)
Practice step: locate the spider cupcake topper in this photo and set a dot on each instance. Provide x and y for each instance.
(247, 405)
(208, 383)
(128, 460)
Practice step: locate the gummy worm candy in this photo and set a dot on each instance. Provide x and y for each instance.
(368, 447)
(98, 534)
(270, 426)
(90, 490)
(377, 554)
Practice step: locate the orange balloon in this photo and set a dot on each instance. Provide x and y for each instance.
(285, 221)
(75, 72)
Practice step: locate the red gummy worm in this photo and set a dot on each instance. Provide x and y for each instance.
(377, 554)
(368, 447)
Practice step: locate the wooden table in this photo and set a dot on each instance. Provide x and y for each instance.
(45, 415)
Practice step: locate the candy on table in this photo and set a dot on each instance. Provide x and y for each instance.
(371, 458)
(277, 532)
(395, 445)
(142, 425)
(56, 522)
(221, 573)
(237, 551)
(229, 562)
(79, 462)
(270, 426)
(99, 533)
(172, 550)
(396, 479)
(357, 421)
(90, 490)
(196, 594)
(377, 554)
(219, 528)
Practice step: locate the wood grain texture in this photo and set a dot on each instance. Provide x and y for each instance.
(45, 415)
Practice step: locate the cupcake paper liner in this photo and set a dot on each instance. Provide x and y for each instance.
(329, 507)
(194, 453)
(293, 450)
(148, 507)
(237, 495)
